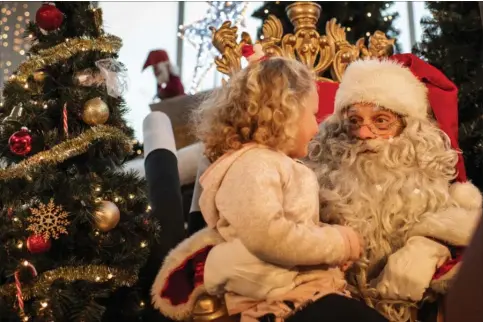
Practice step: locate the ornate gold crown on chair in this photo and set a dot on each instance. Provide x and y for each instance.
(331, 51)
(321, 53)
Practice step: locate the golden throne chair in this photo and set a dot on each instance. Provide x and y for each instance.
(327, 55)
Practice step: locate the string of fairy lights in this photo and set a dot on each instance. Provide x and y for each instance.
(15, 15)
(348, 28)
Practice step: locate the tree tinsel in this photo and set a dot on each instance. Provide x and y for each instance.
(453, 42)
(86, 274)
(359, 17)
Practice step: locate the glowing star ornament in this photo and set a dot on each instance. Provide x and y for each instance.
(199, 35)
(48, 221)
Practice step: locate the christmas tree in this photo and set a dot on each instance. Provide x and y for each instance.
(360, 18)
(74, 230)
(452, 41)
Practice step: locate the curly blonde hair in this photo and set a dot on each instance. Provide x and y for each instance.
(260, 104)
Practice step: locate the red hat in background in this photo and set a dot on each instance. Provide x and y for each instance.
(167, 75)
(155, 57)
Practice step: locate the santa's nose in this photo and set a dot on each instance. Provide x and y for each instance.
(365, 132)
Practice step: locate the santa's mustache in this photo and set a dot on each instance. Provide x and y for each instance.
(371, 145)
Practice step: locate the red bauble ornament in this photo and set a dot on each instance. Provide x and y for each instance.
(48, 17)
(38, 244)
(20, 142)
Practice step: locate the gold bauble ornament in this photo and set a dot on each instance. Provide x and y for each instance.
(107, 217)
(96, 112)
(39, 76)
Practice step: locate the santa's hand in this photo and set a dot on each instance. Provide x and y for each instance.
(409, 271)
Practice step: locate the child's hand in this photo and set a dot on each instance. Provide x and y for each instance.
(354, 242)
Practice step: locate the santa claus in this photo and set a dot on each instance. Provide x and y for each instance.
(168, 81)
(389, 166)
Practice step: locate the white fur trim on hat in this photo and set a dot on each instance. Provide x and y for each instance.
(466, 194)
(385, 83)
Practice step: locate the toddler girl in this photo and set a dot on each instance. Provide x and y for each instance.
(261, 200)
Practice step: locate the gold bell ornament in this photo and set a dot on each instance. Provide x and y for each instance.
(211, 308)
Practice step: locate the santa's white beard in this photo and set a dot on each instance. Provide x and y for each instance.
(381, 194)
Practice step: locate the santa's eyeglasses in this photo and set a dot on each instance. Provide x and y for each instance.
(379, 125)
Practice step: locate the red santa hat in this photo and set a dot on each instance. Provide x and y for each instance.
(155, 57)
(159, 59)
(408, 86)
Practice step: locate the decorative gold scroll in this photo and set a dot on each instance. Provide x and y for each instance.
(330, 52)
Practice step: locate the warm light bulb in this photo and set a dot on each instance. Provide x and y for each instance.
(25, 263)
(44, 304)
(109, 276)
(131, 196)
(144, 244)
(141, 304)
(369, 14)
(368, 34)
(26, 86)
(19, 245)
(98, 189)
(26, 318)
(15, 219)
(149, 208)
(116, 199)
(390, 17)
(96, 233)
(385, 18)
(266, 11)
(349, 29)
(98, 278)
(98, 199)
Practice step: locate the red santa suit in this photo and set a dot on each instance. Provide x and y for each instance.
(403, 200)
(168, 80)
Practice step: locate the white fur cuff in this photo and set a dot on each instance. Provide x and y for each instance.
(466, 195)
(203, 164)
(158, 133)
(453, 225)
(188, 158)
